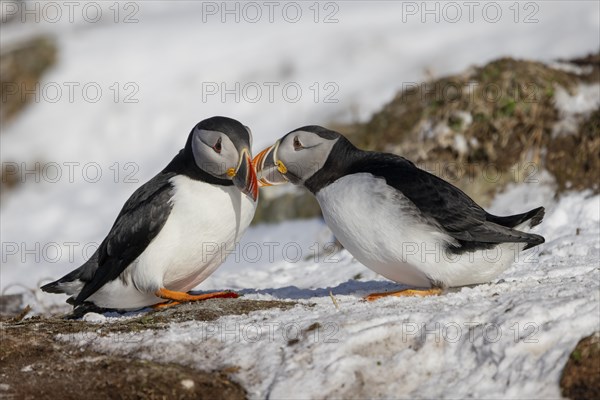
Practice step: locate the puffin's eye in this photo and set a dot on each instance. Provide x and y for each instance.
(217, 147)
(297, 144)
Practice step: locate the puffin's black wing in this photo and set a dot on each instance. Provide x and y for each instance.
(445, 204)
(140, 220)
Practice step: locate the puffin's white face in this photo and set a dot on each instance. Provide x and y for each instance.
(214, 153)
(294, 158)
(225, 155)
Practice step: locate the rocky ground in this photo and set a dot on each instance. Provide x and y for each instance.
(581, 376)
(34, 364)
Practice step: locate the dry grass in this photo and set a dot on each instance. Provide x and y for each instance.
(21, 68)
(503, 114)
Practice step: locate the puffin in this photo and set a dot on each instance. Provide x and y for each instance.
(174, 230)
(402, 222)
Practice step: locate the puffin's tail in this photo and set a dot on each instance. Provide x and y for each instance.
(74, 281)
(533, 217)
(53, 287)
(69, 284)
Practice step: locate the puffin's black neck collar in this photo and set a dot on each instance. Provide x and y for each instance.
(343, 154)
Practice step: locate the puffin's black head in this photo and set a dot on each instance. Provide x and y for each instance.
(221, 147)
(296, 156)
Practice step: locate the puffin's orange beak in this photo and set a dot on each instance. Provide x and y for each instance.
(269, 171)
(258, 162)
(244, 177)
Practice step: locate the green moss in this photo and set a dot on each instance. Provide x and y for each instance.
(508, 107)
(455, 123)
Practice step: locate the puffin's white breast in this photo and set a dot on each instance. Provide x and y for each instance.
(205, 223)
(385, 231)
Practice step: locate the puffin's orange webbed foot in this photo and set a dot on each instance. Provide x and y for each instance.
(165, 304)
(405, 293)
(181, 297)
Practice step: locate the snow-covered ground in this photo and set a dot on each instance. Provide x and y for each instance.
(506, 339)
(509, 338)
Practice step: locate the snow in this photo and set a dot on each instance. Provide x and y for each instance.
(460, 144)
(584, 100)
(187, 384)
(574, 107)
(94, 317)
(506, 339)
(27, 368)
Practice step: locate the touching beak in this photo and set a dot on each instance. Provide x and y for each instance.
(269, 170)
(244, 176)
